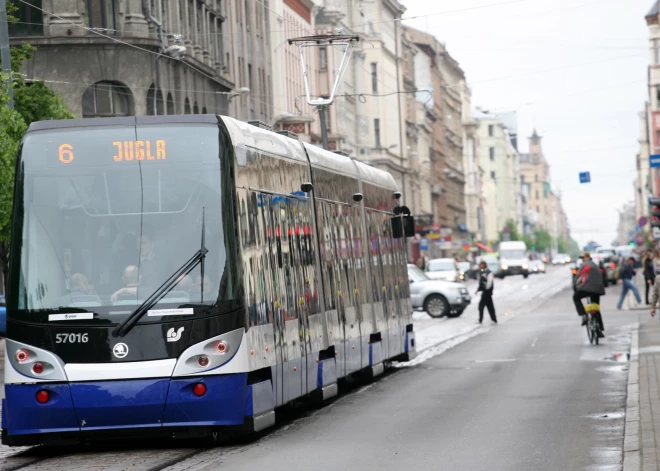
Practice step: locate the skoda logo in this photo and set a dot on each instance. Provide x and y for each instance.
(120, 350)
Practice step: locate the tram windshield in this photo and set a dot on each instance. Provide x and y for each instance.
(110, 213)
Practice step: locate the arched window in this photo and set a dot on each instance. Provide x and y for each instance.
(195, 109)
(107, 99)
(170, 104)
(204, 110)
(155, 103)
(186, 109)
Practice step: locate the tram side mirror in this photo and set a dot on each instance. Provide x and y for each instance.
(397, 227)
(409, 226)
(306, 187)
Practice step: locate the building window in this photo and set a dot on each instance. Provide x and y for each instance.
(170, 104)
(536, 178)
(491, 130)
(107, 99)
(538, 209)
(656, 51)
(250, 77)
(227, 64)
(491, 153)
(537, 194)
(204, 110)
(101, 15)
(155, 104)
(186, 107)
(522, 178)
(374, 77)
(492, 175)
(377, 132)
(30, 19)
(195, 108)
(323, 58)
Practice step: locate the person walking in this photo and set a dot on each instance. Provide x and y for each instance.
(649, 272)
(627, 275)
(486, 285)
(588, 283)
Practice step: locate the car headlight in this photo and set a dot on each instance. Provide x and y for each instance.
(504, 267)
(525, 267)
(463, 291)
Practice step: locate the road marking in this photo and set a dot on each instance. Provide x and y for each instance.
(534, 342)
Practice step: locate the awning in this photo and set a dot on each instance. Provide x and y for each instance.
(483, 247)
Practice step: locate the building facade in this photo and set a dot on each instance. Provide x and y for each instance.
(292, 19)
(133, 57)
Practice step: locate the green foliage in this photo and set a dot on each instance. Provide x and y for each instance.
(543, 240)
(513, 231)
(574, 249)
(529, 242)
(562, 246)
(33, 101)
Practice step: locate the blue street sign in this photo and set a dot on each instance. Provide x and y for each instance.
(424, 245)
(654, 160)
(585, 177)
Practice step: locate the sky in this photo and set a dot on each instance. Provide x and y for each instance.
(573, 69)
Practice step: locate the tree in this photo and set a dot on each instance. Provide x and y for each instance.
(543, 240)
(562, 246)
(33, 101)
(513, 231)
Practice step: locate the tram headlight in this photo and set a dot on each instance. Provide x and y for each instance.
(203, 361)
(222, 347)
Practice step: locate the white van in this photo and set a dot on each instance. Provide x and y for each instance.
(513, 259)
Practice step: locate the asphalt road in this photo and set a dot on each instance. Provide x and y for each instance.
(530, 393)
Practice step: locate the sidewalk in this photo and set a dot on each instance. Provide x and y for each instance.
(642, 429)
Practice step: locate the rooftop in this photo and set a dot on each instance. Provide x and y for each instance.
(655, 9)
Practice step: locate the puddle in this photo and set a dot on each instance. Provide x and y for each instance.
(618, 357)
(608, 416)
(613, 369)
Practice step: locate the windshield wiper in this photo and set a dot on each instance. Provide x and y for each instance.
(124, 327)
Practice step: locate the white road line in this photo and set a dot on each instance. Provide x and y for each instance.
(534, 342)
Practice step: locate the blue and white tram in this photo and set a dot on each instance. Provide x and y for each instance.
(172, 275)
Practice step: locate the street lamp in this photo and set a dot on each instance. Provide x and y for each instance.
(238, 92)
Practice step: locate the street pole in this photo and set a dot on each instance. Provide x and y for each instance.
(323, 109)
(4, 51)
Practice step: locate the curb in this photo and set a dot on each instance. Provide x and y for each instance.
(632, 455)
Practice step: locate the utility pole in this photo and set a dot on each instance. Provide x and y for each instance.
(5, 57)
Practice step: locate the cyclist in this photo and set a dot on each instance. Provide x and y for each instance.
(588, 284)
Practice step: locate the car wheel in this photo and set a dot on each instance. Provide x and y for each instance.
(436, 306)
(525, 275)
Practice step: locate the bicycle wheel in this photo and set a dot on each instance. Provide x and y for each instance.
(590, 333)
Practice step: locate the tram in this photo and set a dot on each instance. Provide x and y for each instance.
(184, 275)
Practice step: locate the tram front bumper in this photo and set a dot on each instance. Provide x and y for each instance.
(77, 409)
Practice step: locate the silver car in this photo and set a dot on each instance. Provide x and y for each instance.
(442, 269)
(437, 297)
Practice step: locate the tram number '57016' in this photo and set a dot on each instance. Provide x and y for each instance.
(71, 338)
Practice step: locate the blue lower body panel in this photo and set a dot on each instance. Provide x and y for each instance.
(22, 414)
(129, 403)
(135, 404)
(223, 403)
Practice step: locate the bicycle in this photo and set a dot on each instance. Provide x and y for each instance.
(593, 329)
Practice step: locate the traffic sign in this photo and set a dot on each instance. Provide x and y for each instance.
(642, 221)
(585, 177)
(424, 245)
(654, 160)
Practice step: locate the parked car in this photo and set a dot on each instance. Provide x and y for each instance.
(561, 259)
(3, 316)
(536, 267)
(609, 259)
(437, 297)
(467, 271)
(442, 269)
